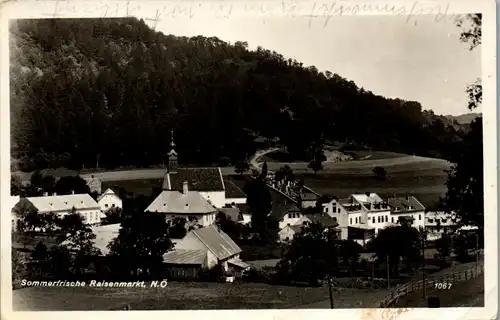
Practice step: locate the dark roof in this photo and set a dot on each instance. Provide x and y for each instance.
(244, 208)
(324, 219)
(199, 179)
(280, 209)
(233, 191)
(232, 213)
(218, 242)
(405, 204)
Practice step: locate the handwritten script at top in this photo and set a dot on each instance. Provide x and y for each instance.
(322, 11)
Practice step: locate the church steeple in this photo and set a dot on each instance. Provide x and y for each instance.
(172, 154)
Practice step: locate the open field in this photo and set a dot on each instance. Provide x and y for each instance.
(468, 293)
(184, 295)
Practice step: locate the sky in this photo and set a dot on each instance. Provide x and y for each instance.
(420, 60)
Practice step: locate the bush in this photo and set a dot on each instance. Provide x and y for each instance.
(379, 173)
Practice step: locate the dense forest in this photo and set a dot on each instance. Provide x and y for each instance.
(109, 91)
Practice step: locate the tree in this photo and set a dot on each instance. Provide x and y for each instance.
(316, 163)
(60, 262)
(27, 216)
(443, 246)
(259, 201)
(16, 186)
(379, 173)
(42, 183)
(70, 184)
(177, 228)
(465, 194)
(18, 266)
(313, 253)
(396, 242)
(39, 257)
(350, 252)
(113, 215)
(241, 167)
(142, 241)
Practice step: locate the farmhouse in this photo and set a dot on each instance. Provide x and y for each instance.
(202, 249)
(409, 208)
(186, 203)
(109, 200)
(62, 205)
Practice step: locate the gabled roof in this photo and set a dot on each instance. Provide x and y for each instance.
(108, 192)
(218, 242)
(324, 219)
(280, 209)
(63, 202)
(405, 204)
(199, 179)
(232, 190)
(185, 256)
(179, 203)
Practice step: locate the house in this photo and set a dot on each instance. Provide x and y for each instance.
(375, 211)
(245, 213)
(234, 195)
(308, 199)
(437, 222)
(286, 213)
(287, 233)
(109, 200)
(62, 205)
(186, 203)
(408, 208)
(202, 249)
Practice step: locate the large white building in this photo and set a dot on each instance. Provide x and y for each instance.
(188, 204)
(62, 205)
(408, 208)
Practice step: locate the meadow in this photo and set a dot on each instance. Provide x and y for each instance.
(188, 295)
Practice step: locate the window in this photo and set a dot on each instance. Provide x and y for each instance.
(356, 219)
(325, 209)
(419, 217)
(350, 220)
(338, 210)
(373, 219)
(378, 219)
(430, 220)
(113, 205)
(106, 205)
(289, 216)
(392, 219)
(386, 218)
(444, 220)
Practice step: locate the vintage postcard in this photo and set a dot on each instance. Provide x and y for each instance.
(251, 159)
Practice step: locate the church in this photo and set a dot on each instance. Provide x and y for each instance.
(194, 192)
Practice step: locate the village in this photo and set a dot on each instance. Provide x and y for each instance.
(202, 197)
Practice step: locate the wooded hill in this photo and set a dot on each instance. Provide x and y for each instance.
(112, 89)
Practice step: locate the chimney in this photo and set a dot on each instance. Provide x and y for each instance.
(185, 188)
(45, 194)
(72, 191)
(54, 194)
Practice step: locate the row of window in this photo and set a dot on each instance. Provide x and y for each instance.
(293, 215)
(112, 206)
(382, 219)
(442, 220)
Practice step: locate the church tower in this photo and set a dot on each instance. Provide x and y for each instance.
(172, 155)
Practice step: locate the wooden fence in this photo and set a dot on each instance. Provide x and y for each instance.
(430, 281)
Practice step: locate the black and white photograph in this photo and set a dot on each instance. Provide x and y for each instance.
(201, 159)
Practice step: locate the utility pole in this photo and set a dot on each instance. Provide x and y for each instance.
(330, 284)
(388, 272)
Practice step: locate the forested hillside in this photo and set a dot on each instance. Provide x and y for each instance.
(84, 90)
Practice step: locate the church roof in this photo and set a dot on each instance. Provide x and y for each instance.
(198, 179)
(191, 202)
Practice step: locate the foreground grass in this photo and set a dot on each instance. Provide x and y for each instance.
(184, 296)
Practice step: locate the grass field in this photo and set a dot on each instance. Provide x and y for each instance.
(182, 296)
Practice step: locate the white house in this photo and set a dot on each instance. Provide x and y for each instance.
(109, 200)
(186, 203)
(287, 233)
(62, 205)
(436, 223)
(407, 207)
(374, 209)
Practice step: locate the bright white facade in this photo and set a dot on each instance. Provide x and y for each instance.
(109, 200)
(62, 205)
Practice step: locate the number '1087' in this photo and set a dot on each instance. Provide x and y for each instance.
(442, 285)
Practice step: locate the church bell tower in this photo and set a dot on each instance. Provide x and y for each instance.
(172, 155)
